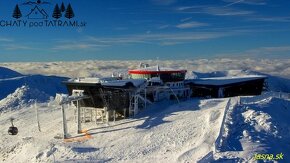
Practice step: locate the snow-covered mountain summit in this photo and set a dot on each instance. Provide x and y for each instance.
(17, 90)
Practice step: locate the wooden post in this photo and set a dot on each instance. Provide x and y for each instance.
(125, 113)
(91, 114)
(79, 117)
(114, 112)
(65, 136)
(37, 116)
(136, 107)
(107, 116)
(103, 112)
(145, 97)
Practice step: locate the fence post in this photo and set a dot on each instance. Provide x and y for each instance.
(37, 116)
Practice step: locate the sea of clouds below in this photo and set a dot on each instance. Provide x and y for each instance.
(99, 68)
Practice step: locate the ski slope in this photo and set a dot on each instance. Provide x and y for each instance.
(195, 130)
(181, 132)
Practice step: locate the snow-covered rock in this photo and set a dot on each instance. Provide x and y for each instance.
(22, 97)
(17, 90)
(48, 84)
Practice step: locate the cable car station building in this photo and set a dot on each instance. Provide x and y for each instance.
(118, 97)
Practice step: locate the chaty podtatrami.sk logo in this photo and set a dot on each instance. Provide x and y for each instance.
(40, 14)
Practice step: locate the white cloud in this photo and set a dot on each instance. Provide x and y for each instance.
(191, 24)
(249, 2)
(3, 39)
(97, 43)
(269, 50)
(213, 10)
(78, 46)
(270, 19)
(262, 52)
(226, 11)
(183, 37)
(234, 2)
(170, 43)
(186, 19)
(185, 8)
(164, 26)
(14, 46)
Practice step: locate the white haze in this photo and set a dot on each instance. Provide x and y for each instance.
(277, 67)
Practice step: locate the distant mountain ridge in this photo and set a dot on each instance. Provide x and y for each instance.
(8, 73)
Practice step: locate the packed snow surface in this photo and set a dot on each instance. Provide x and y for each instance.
(181, 132)
(194, 130)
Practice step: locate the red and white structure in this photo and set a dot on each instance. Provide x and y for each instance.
(163, 83)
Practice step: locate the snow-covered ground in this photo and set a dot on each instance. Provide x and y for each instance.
(197, 130)
(181, 132)
(185, 132)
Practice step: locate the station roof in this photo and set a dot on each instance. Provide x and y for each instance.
(156, 70)
(220, 81)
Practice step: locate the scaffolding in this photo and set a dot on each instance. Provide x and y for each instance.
(138, 100)
(77, 96)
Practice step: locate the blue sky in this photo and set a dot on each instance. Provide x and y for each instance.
(147, 29)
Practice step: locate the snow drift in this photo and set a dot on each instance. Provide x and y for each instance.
(256, 125)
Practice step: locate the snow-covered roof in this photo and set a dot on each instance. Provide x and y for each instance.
(93, 80)
(156, 68)
(217, 81)
(122, 83)
(85, 80)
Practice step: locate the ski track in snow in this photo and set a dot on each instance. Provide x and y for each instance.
(187, 134)
(184, 132)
